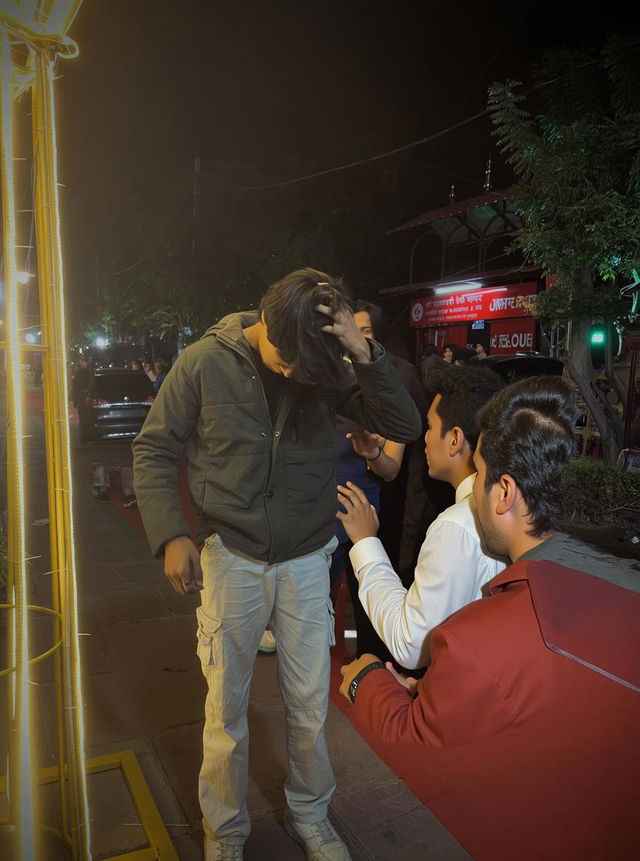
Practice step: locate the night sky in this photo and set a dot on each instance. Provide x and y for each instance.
(289, 87)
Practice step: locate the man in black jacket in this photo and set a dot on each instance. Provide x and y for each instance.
(253, 405)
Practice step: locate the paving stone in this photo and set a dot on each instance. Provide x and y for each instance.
(267, 759)
(95, 579)
(189, 847)
(131, 604)
(354, 762)
(150, 700)
(167, 644)
(164, 796)
(264, 685)
(136, 703)
(144, 570)
(181, 605)
(179, 750)
(113, 553)
(373, 805)
(416, 836)
(116, 827)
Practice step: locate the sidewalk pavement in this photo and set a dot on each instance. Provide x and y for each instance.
(144, 692)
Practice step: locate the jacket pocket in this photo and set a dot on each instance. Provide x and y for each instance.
(209, 635)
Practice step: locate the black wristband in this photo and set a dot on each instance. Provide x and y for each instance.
(353, 687)
(371, 459)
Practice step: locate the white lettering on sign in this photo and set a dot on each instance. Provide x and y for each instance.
(513, 341)
(502, 303)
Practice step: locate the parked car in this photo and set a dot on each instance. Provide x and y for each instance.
(517, 366)
(116, 404)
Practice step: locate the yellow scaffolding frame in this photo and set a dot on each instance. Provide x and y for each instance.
(40, 26)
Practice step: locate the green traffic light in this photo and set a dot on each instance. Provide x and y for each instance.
(597, 337)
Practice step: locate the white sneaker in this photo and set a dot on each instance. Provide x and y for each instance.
(267, 643)
(214, 850)
(318, 839)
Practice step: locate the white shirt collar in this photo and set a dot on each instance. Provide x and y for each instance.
(465, 488)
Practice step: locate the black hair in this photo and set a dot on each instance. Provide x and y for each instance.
(463, 391)
(378, 323)
(528, 433)
(294, 326)
(429, 350)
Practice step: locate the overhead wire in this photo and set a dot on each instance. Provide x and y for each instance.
(500, 49)
(447, 130)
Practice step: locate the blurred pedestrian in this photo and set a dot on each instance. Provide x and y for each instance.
(79, 386)
(462, 355)
(447, 353)
(158, 374)
(481, 353)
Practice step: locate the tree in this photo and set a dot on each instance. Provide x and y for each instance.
(577, 163)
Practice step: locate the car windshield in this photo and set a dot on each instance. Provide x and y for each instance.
(133, 385)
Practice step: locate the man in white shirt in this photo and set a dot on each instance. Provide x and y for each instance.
(453, 564)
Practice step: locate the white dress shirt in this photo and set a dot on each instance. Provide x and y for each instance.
(450, 573)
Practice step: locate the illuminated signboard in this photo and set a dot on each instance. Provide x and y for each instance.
(512, 336)
(466, 306)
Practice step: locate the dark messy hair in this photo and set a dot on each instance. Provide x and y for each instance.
(378, 323)
(463, 390)
(527, 433)
(295, 326)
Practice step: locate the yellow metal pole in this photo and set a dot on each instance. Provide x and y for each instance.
(42, 207)
(21, 773)
(49, 244)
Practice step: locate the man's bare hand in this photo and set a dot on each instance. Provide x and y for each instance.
(182, 565)
(407, 682)
(350, 671)
(366, 444)
(359, 518)
(343, 326)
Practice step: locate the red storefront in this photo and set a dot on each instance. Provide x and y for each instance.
(499, 317)
(492, 306)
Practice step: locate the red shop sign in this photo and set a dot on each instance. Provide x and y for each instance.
(489, 303)
(512, 336)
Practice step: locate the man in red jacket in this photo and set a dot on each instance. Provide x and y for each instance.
(523, 737)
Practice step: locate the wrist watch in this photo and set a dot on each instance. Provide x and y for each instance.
(353, 687)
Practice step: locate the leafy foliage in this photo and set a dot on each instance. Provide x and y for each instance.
(578, 174)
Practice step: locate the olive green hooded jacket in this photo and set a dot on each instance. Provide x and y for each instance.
(268, 488)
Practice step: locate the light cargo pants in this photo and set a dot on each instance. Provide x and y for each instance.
(241, 596)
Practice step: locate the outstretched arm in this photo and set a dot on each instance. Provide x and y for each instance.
(384, 457)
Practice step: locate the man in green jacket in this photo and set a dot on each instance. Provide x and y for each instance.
(253, 405)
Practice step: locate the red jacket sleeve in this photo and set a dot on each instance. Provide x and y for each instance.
(457, 700)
